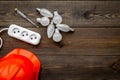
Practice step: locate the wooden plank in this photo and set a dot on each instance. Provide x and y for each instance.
(79, 14)
(85, 41)
(62, 61)
(79, 74)
(77, 61)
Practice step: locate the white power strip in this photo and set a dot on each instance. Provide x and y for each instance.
(24, 34)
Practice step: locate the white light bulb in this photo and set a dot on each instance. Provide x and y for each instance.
(57, 37)
(44, 12)
(57, 19)
(50, 30)
(44, 21)
(64, 27)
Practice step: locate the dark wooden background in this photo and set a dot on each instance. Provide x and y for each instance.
(92, 52)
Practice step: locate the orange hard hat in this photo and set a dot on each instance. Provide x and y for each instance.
(19, 64)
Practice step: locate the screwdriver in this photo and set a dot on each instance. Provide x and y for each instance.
(25, 17)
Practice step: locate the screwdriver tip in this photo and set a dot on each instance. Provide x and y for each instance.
(15, 9)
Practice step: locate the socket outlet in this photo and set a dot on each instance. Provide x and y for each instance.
(24, 34)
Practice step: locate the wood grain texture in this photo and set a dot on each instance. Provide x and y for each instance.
(79, 14)
(92, 52)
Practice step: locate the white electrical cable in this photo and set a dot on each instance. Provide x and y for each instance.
(1, 40)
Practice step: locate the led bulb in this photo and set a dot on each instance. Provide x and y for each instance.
(44, 21)
(57, 19)
(44, 12)
(64, 27)
(57, 37)
(50, 30)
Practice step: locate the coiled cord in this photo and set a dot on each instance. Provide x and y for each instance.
(1, 40)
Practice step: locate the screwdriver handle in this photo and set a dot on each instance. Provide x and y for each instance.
(20, 13)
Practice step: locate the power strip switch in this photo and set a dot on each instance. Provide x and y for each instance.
(24, 34)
